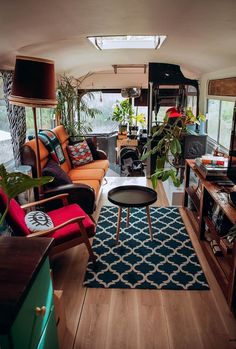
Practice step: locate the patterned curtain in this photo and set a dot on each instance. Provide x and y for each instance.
(16, 117)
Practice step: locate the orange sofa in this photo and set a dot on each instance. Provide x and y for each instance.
(87, 179)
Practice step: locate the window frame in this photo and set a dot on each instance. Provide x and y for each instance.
(220, 99)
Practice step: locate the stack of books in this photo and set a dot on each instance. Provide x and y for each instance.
(212, 166)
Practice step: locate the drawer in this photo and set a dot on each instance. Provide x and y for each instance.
(49, 335)
(28, 326)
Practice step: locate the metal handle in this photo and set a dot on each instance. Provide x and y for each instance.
(40, 311)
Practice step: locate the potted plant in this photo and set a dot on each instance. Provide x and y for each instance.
(122, 113)
(191, 120)
(71, 105)
(15, 183)
(133, 124)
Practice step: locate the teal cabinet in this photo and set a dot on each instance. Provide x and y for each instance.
(34, 323)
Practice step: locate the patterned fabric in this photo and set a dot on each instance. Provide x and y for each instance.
(16, 117)
(79, 154)
(53, 145)
(167, 262)
(38, 221)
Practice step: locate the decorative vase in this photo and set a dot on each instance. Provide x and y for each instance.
(191, 127)
(202, 127)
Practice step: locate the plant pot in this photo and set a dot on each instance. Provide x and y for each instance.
(191, 127)
(202, 128)
(123, 128)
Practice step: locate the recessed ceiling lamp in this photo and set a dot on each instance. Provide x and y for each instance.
(127, 42)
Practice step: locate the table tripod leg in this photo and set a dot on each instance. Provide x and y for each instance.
(118, 224)
(127, 217)
(149, 222)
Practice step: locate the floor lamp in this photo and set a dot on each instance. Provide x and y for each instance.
(34, 86)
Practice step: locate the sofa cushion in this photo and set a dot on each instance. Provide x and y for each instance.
(98, 164)
(77, 174)
(79, 153)
(60, 177)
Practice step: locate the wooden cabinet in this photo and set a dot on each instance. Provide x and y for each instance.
(26, 296)
(212, 216)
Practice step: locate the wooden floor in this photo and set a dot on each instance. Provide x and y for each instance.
(140, 319)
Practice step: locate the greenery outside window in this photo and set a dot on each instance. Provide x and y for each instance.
(220, 114)
(45, 119)
(103, 101)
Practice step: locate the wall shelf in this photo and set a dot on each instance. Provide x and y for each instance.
(211, 218)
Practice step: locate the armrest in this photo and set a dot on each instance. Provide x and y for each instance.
(102, 155)
(43, 201)
(49, 231)
(80, 194)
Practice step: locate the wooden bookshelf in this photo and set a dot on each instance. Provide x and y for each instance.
(200, 205)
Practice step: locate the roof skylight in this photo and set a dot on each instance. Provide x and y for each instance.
(127, 42)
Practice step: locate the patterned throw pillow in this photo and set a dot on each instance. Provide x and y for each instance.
(79, 153)
(38, 221)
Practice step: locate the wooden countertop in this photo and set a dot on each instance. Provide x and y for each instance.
(20, 261)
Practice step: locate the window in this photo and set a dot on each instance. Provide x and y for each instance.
(104, 102)
(6, 153)
(45, 119)
(220, 114)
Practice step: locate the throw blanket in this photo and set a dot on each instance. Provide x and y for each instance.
(53, 145)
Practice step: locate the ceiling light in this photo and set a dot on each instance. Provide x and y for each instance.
(127, 42)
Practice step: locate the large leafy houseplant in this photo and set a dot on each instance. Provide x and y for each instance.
(168, 148)
(72, 104)
(15, 183)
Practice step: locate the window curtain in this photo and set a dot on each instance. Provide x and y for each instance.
(16, 117)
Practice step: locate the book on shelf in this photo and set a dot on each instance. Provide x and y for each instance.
(215, 248)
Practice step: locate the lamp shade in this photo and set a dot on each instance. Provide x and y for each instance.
(33, 83)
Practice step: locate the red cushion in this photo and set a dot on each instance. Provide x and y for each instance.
(70, 231)
(15, 216)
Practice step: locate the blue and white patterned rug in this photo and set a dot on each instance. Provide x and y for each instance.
(167, 262)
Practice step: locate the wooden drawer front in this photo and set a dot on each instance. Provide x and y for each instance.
(49, 336)
(28, 327)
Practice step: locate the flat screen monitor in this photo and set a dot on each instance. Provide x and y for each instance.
(231, 172)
